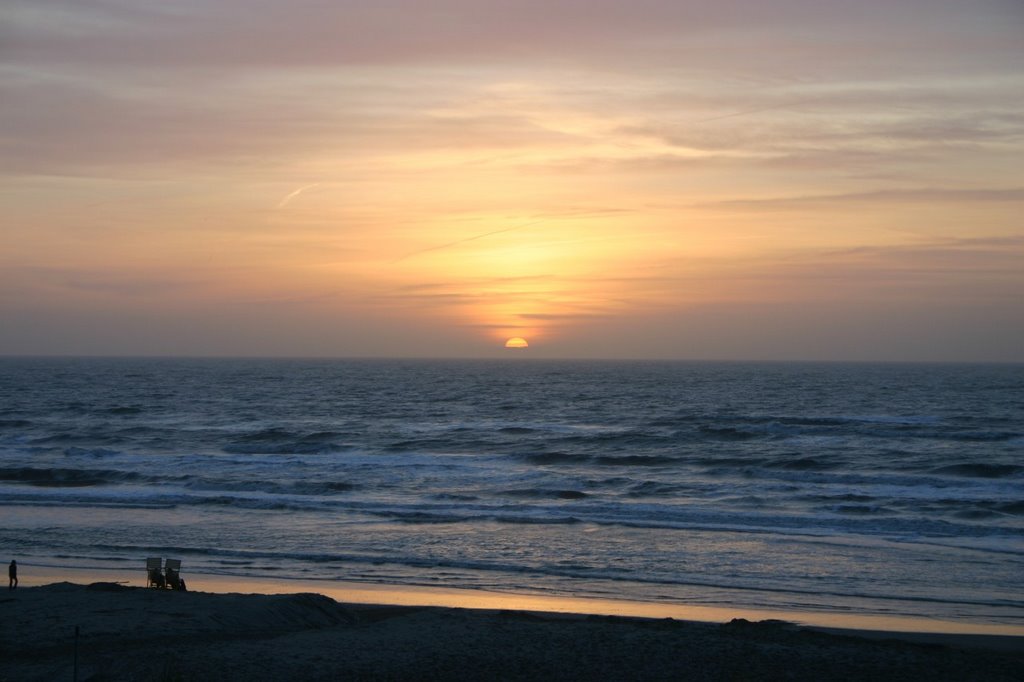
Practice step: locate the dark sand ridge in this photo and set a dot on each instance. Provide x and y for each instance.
(143, 634)
(355, 592)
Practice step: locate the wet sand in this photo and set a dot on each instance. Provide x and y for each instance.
(136, 633)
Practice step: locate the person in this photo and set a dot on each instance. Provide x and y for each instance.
(12, 573)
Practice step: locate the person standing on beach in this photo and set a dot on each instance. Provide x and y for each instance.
(12, 573)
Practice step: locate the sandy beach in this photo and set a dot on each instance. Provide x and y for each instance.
(126, 632)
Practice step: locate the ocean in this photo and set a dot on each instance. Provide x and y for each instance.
(888, 489)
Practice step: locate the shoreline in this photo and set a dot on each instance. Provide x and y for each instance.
(377, 594)
(105, 630)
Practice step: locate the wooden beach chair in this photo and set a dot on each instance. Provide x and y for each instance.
(173, 568)
(154, 575)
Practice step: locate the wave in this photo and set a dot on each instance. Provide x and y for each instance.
(290, 448)
(311, 488)
(556, 458)
(635, 460)
(803, 464)
(980, 470)
(1015, 508)
(276, 435)
(600, 460)
(653, 489)
(993, 436)
(752, 515)
(454, 497)
(859, 509)
(729, 433)
(277, 441)
(536, 521)
(916, 479)
(842, 497)
(752, 427)
(543, 493)
(730, 461)
(90, 452)
(72, 437)
(616, 437)
(976, 514)
(67, 478)
(124, 410)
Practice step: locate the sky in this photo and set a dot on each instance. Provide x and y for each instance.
(677, 179)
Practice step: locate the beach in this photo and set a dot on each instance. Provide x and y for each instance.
(130, 632)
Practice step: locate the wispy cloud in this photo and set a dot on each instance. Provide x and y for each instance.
(931, 195)
(137, 284)
(294, 193)
(457, 242)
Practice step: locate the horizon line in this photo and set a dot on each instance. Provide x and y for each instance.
(517, 357)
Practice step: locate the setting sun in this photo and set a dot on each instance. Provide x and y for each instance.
(516, 342)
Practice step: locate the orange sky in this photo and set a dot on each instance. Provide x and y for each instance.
(664, 179)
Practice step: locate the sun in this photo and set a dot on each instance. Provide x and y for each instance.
(517, 342)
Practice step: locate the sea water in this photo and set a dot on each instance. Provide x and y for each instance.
(893, 489)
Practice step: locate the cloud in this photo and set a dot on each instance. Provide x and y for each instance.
(86, 127)
(457, 242)
(97, 87)
(128, 283)
(294, 193)
(659, 142)
(349, 32)
(929, 271)
(929, 195)
(564, 317)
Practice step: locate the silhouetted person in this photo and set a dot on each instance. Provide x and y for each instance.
(12, 573)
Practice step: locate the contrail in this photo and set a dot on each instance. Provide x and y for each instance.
(294, 193)
(463, 241)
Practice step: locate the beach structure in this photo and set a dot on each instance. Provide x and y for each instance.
(163, 574)
(154, 573)
(172, 569)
